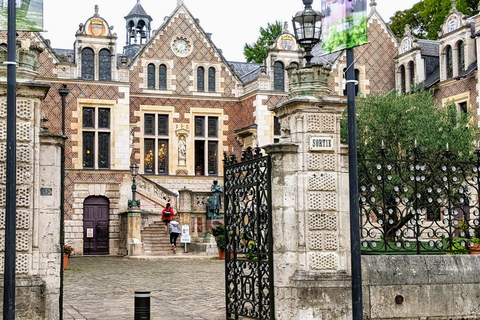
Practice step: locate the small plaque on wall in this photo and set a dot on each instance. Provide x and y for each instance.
(46, 191)
(321, 143)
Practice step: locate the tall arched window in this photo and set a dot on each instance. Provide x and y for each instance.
(461, 56)
(104, 65)
(402, 79)
(200, 79)
(411, 68)
(211, 79)
(162, 77)
(449, 61)
(278, 76)
(151, 76)
(88, 64)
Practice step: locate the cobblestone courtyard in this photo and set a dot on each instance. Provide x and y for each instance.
(102, 288)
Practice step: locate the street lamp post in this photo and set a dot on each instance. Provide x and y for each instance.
(307, 25)
(134, 173)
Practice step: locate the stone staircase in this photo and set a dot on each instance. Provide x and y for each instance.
(156, 242)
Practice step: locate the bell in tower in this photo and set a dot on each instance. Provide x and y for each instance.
(138, 24)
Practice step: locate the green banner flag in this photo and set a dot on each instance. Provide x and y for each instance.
(344, 24)
(29, 15)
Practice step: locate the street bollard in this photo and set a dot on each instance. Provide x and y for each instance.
(142, 305)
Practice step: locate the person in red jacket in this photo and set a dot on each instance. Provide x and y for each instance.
(167, 216)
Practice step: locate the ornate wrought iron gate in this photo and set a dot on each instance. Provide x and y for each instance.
(248, 225)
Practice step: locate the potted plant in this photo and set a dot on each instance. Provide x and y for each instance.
(67, 251)
(221, 245)
(474, 246)
(218, 230)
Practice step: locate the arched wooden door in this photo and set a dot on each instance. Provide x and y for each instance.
(95, 226)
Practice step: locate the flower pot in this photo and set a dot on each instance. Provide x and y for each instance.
(65, 261)
(475, 249)
(221, 254)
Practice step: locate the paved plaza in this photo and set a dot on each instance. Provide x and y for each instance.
(103, 288)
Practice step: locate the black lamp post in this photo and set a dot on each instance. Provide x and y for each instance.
(134, 173)
(307, 25)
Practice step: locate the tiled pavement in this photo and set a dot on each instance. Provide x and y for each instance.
(182, 287)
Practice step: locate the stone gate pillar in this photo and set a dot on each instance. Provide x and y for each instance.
(310, 203)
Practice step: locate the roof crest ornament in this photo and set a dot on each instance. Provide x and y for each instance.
(96, 11)
(373, 4)
(179, 3)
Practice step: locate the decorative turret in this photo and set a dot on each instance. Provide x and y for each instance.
(138, 30)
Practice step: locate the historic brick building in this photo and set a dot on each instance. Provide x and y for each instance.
(172, 103)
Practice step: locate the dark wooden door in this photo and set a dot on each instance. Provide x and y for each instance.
(95, 226)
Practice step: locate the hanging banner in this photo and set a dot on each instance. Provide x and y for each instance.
(344, 24)
(29, 15)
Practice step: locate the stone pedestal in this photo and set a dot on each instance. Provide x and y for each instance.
(310, 203)
(134, 235)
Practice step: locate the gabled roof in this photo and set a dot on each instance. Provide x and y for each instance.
(205, 35)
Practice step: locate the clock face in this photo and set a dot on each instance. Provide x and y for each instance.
(181, 47)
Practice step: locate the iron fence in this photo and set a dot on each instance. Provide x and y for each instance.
(416, 205)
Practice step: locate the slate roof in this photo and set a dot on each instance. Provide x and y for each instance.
(65, 55)
(246, 71)
(320, 57)
(429, 47)
(432, 79)
(468, 71)
(138, 11)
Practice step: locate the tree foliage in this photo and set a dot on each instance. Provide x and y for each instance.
(400, 120)
(426, 17)
(257, 52)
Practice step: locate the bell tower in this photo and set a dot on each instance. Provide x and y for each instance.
(138, 24)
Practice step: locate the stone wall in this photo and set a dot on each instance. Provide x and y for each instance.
(421, 287)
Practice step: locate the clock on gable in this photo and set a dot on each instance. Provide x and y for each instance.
(181, 46)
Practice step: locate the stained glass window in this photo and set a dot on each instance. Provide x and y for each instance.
(449, 62)
(88, 64)
(162, 156)
(149, 124)
(199, 126)
(104, 65)
(162, 125)
(211, 80)
(278, 76)
(149, 161)
(88, 149)
(212, 157)
(162, 77)
(461, 56)
(200, 79)
(104, 118)
(88, 117)
(103, 150)
(151, 76)
(212, 126)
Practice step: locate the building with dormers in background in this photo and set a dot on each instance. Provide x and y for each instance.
(172, 103)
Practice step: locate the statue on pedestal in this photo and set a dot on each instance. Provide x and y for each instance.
(214, 204)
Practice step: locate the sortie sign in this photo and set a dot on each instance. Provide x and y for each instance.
(321, 143)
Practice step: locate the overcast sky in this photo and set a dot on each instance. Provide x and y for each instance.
(232, 23)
